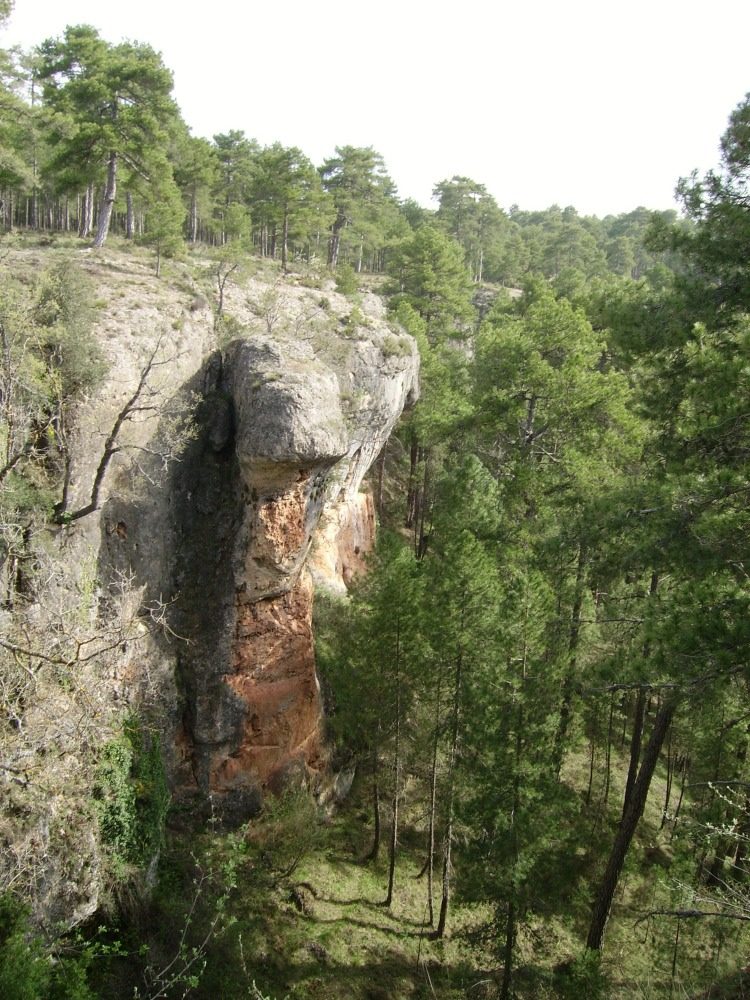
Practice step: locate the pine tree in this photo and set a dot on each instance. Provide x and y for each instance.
(112, 108)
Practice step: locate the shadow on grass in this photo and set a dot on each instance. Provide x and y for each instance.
(378, 907)
(397, 931)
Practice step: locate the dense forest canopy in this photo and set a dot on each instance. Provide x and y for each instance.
(553, 631)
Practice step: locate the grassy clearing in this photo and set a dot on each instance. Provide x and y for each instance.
(320, 932)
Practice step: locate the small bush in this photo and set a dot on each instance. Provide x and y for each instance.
(287, 831)
(132, 796)
(24, 971)
(346, 279)
(582, 977)
(395, 347)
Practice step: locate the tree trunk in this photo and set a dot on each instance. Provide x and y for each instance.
(592, 758)
(683, 782)
(566, 706)
(433, 803)
(193, 221)
(129, 220)
(670, 776)
(635, 746)
(420, 535)
(510, 940)
(86, 219)
(108, 201)
(633, 811)
(608, 764)
(640, 712)
(448, 841)
(284, 240)
(335, 241)
(381, 481)
(375, 849)
(411, 496)
(393, 846)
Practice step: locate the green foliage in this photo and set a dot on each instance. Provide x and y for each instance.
(583, 977)
(430, 275)
(27, 971)
(288, 830)
(131, 796)
(473, 219)
(290, 199)
(112, 107)
(367, 219)
(165, 219)
(24, 969)
(66, 313)
(346, 279)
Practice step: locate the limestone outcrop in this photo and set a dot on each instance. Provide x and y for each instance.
(181, 598)
(286, 424)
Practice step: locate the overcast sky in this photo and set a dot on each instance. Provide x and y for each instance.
(599, 105)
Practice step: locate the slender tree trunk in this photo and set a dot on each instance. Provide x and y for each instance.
(566, 707)
(381, 481)
(635, 745)
(674, 957)
(592, 758)
(375, 849)
(633, 812)
(334, 242)
(86, 218)
(411, 495)
(510, 940)
(129, 220)
(108, 201)
(448, 840)
(608, 765)
(670, 776)
(640, 712)
(420, 546)
(193, 219)
(433, 805)
(683, 782)
(396, 778)
(284, 240)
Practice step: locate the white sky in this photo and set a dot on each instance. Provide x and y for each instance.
(593, 104)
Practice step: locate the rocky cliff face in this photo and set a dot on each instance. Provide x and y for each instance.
(184, 600)
(286, 423)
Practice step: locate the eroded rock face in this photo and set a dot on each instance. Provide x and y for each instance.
(305, 427)
(239, 464)
(273, 674)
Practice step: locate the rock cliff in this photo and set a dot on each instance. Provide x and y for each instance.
(184, 600)
(286, 422)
